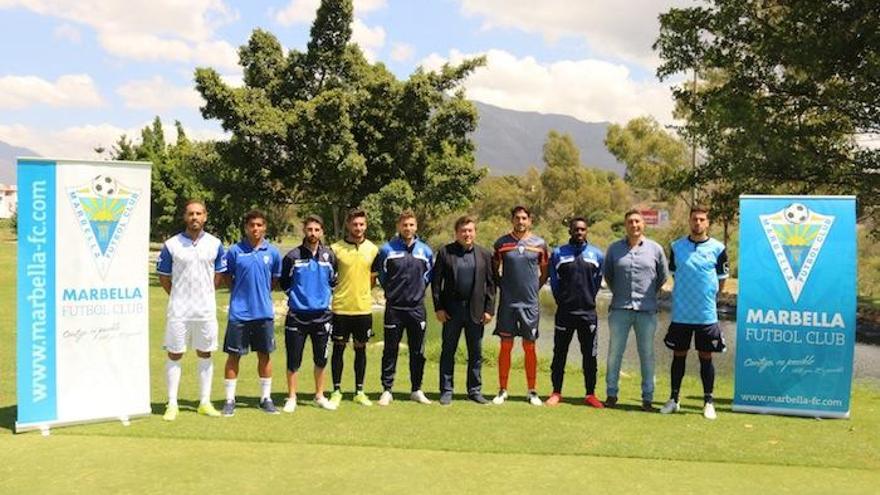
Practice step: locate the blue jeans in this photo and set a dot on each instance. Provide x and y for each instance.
(644, 324)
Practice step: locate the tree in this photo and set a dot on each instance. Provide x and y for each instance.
(325, 130)
(797, 82)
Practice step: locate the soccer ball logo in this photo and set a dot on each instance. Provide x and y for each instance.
(796, 213)
(103, 186)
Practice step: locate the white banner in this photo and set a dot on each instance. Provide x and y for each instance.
(83, 329)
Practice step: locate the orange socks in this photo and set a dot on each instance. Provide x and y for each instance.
(531, 363)
(504, 362)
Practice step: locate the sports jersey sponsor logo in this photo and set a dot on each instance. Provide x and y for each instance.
(103, 208)
(796, 235)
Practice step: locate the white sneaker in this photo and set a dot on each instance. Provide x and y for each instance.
(534, 399)
(670, 407)
(419, 396)
(323, 403)
(385, 398)
(709, 411)
(500, 398)
(289, 405)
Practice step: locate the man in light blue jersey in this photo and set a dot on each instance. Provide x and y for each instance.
(253, 269)
(699, 265)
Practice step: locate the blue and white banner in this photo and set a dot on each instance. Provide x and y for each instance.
(796, 308)
(82, 298)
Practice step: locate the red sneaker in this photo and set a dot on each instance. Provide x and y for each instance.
(554, 399)
(593, 401)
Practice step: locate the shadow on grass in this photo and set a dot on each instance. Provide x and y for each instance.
(7, 418)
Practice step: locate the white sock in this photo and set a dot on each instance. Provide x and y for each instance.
(172, 379)
(265, 388)
(206, 373)
(230, 389)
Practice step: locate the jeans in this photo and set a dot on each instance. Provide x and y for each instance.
(473, 335)
(644, 324)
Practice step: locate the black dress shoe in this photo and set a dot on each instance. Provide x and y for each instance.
(446, 399)
(479, 399)
(611, 401)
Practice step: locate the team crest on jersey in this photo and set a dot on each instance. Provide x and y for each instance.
(266, 259)
(103, 208)
(796, 235)
(521, 249)
(326, 256)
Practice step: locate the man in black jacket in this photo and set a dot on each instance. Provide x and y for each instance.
(464, 297)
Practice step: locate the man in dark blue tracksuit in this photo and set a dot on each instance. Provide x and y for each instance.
(308, 274)
(404, 267)
(575, 278)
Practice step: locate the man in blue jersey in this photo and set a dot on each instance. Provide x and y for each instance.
(699, 265)
(253, 269)
(575, 278)
(308, 274)
(190, 268)
(404, 266)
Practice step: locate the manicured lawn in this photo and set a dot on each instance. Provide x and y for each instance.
(411, 448)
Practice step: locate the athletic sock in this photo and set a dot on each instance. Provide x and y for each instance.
(337, 365)
(172, 379)
(206, 374)
(265, 388)
(677, 371)
(360, 367)
(229, 385)
(504, 362)
(707, 374)
(531, 363)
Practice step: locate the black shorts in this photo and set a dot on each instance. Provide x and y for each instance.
(295, 334)
(357, 327)
(244, 336)
(707, 337)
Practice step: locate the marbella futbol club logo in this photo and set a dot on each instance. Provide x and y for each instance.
(103, 209)
(796, 235)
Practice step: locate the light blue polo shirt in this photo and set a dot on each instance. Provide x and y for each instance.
(252, 270)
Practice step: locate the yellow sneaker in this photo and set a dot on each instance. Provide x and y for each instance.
(207, 409)
(170, 413)
(336, 398)
(362, 399)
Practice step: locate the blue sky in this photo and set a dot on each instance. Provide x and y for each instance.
(76, 74)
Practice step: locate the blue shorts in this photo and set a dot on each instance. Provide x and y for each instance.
(245, 336)
(516, 321)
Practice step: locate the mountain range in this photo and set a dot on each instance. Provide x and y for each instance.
(507, 141)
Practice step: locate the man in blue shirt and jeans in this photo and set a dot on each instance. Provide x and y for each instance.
(253, 269)
(635, 270)
(699, 263)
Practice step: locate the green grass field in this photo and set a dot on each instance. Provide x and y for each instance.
(410, 448)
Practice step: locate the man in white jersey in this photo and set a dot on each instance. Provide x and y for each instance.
(190, 268)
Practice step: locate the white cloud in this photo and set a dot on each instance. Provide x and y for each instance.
(157, 94)
(304, 11)
(402, 52)
(157, 30)
(81, 141)
(72, 90)
(368, 38)
(624, 29)
(590, 90)
(67, 32)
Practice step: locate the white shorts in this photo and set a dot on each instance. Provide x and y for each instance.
(200, 335)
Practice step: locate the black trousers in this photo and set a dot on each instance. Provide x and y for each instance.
(473, 334)
(396, 323)
(586, 333)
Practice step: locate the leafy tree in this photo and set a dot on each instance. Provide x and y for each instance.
(796, 83)
(325, 130)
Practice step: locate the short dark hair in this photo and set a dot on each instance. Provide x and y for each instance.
(519, 208)
(406, 214)
(576, 220)
(313, 219)
(355, 213)
(699, 208)
(193, 201)
(630, 213)
(253, 215)
(464, 220)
